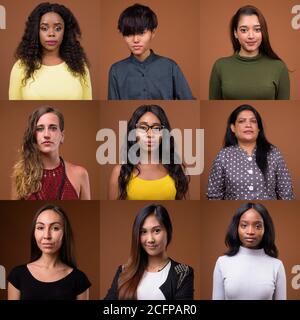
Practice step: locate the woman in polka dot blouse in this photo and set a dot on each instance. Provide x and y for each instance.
(249, 167)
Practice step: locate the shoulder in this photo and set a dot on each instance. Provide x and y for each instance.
(226, 152)
(17, 271)
(116, 170)
(181, 268)
(74, 169)
(274, 152)
(79, 274)
(274, 63)
(224, 60)
(120, 64)
(18, 66)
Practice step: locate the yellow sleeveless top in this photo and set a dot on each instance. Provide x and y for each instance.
(159, 189)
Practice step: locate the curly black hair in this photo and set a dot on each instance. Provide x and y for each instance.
(30, 50)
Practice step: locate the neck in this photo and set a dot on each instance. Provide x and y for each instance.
(248, 54)
(156, 263)
(51, 58)
(247, 146)
(50, 161)
(149, 157)
(49, 261)
(143, 56)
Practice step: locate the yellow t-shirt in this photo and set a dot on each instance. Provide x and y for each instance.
(159, 189)
(49, 83)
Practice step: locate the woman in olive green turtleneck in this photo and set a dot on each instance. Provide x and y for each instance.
(255, 71)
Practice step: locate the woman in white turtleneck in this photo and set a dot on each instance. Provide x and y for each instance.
(250, 270)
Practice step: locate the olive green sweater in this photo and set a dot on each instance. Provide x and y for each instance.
(239, 78)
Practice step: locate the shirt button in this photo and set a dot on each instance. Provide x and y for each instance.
(250, 171)
(143, 75)
(249, 158)
(250, 188)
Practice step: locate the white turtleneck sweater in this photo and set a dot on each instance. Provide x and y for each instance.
(249, 275)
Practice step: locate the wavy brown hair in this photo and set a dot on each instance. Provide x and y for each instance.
(30, 50)
(28, 171)
(138, 259)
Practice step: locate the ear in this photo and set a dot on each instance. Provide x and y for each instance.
(232, 128)
(153, 33)
(235, 34)
(62, 137)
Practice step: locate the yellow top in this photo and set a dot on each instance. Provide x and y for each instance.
(49, 83)
(159, 189)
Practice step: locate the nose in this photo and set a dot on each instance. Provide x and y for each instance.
(51, 32)
(47, 233)
(136, 38)
(250, 230)
(47, 133)
(150, 238)
(250, 34)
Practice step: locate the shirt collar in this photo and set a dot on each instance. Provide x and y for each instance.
(147, 61)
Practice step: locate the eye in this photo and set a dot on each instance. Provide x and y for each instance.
(53, 128)
(39, 228)
(257, 30)
(157, 129)
(243, 226)
(39, 129)
(58, 28)
(43, 28)
(157, 230)
(142, 127)
(243, 30)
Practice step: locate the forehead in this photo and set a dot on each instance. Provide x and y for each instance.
(246, 114)
(150, 222)
(49, 216)
(51, 17)
(48, 118)
(251, 215)
(149, 118)
(248, 20)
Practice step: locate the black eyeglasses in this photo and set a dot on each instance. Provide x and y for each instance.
(144, 128)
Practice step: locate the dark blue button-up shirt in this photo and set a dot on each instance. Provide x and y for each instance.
(155, 78)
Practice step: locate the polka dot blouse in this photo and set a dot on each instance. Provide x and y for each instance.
(236, 176)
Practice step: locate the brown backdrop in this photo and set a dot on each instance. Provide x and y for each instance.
(215, 218)
(181, 114)
(87, 14)
(81, 125)
(116, 219)
(215, 41)
(177, 37)
(280, 120)
(16, 218)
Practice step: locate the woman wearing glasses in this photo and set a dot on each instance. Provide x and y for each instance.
(150, 168)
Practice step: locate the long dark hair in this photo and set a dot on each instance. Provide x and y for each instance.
(263, 146)
(265, 46)
(30, 50)
(66, 252)
(175, 170)
(137, 262)
(232, 239)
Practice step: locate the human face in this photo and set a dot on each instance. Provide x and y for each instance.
(51, 31)
(149, 140)
(153, 236)
(251, 229)
(249, 35)
(49, 231)
(245, 127)
(139, 44)
(48, 134)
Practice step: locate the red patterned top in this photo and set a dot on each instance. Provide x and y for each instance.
(55, 185)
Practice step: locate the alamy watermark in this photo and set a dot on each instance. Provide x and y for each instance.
(2, 17)
(167, 147)
(2, 278)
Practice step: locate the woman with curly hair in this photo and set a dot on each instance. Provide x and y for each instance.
(40, 173)
(150, 169)
(51, 64)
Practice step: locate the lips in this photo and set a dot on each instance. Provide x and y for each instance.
(137, 47)
(47, 142)
(47, 245)
(51, 43)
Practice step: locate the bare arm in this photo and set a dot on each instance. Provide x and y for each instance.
(85, 191)
(13, 293)
(113, 186)
(84, 295)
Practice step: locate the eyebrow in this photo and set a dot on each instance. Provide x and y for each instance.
(145, 122)
(257, 221)
(57, 222)
(158, 226)
(246, 26)
(56, 23)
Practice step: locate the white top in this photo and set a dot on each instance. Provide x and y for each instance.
(249, 275)
(148, 288)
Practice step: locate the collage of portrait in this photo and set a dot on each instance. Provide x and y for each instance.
(188, 108)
